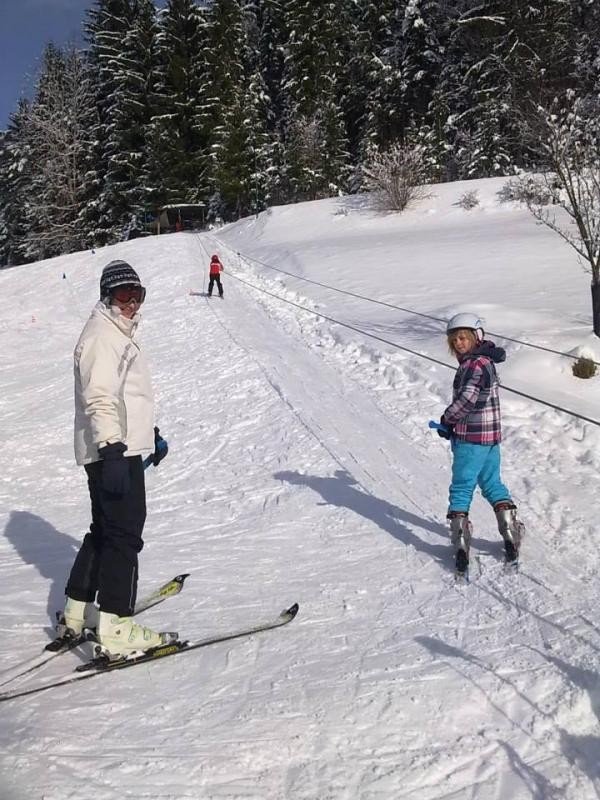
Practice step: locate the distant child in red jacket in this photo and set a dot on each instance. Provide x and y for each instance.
(215, 275)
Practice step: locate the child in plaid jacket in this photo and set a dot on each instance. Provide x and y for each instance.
(472, 422)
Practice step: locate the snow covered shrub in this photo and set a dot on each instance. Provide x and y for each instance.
(395, 176)
(469, 200)
(507, 193)
(584, 368)
(526, 189)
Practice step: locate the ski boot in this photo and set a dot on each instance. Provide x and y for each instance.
(76, 616)
(510, 528)
(460, 536)
(122, 637)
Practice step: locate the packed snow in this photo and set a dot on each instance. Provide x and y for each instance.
(301, 469)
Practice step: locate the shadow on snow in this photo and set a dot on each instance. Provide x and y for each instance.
(580, 751)
(343, 491)
(51, 552)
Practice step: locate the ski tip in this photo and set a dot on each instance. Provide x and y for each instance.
(291, 611)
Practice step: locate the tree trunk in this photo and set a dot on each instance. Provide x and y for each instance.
(596, 307)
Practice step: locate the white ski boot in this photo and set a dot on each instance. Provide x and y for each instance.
(460, 536)
(76, 616)
(510, 528)
(120, 637)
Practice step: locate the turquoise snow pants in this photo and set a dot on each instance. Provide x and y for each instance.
(475, 464)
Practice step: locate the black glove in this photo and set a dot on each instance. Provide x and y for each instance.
(161, 448)
(115, 469)
(449, 429)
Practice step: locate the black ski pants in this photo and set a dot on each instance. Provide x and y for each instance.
(212, 280)
(107, 562)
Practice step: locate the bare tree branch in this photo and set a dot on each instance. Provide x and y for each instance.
(570, 144)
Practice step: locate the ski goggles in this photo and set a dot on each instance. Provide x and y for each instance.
(127, 293)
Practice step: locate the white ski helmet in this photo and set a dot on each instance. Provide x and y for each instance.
(466, 320)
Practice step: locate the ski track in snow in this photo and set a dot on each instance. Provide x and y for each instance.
(298, 471)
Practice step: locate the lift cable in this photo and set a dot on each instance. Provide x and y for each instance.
(408, 349)
(400, 308)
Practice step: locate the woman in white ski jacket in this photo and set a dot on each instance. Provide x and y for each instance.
(113, 391)
(114, 415)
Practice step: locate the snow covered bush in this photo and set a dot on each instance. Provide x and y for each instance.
(468, 200)
(526, 189)
(395, 176)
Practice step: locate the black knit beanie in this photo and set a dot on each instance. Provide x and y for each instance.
(117, 273)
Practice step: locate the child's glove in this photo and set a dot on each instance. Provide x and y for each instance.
(161, 448)
(447, 430)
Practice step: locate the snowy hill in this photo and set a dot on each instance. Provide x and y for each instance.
(301, 469)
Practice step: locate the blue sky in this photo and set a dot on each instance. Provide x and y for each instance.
(26, 26)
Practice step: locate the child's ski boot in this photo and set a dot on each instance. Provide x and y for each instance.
(511, 530)
(460, 535)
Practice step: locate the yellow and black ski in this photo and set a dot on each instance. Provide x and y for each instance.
(65, 643)
(102, 665)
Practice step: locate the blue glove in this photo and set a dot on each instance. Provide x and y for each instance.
(445, 430)
(161, 448)
(115, 469)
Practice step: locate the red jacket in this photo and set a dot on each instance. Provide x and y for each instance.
(215, 267)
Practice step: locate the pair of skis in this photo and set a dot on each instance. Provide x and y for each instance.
(63, 644)
(461, 572)
(102, 665)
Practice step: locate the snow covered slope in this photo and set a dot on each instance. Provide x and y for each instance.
(301, 469)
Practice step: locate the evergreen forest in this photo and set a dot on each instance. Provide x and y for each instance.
(245, 104)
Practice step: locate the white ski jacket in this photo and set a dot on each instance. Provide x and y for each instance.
(113, 391)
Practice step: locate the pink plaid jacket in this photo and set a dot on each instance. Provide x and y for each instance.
(475, 409)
